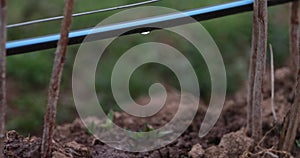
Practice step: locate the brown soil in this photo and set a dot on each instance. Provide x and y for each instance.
(227, 139)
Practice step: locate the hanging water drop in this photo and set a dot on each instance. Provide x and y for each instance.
(145, 33)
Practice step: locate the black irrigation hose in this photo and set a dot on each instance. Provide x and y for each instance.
(142, 25)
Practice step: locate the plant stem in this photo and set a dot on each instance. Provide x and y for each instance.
(257, 68)
(250, 88)
(294, 38)
(2, 73)
(290, 125)
(53, 94)
(291, 122)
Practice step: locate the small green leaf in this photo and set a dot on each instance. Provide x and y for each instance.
(110, 115)
(91, 128)
(148, 128)
(109, 122)
(298, 143)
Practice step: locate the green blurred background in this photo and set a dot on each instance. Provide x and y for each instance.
(29, 74)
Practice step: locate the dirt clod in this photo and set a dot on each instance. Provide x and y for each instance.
(235, 143)
(215, 152)
(197, 151)
(17, 146)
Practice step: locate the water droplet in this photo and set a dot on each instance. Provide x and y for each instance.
(145, 33)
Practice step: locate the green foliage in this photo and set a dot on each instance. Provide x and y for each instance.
(91, 128)
(26, 113)
(147, 133)
(107, 125)
(31, 70)
(109, 122)
(29, 116)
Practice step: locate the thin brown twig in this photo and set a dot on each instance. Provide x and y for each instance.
(266, 134)
(271, 154)
(270, 151)
(53, 94)
(262, 151)
(294, 38)
(266, 151)
(2, 73)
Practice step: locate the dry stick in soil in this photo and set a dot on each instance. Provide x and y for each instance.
(250, 88)
(53, 93)
(2, 73)
(291, 122)
(257, 67)
(262, 152)
(294, 38)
